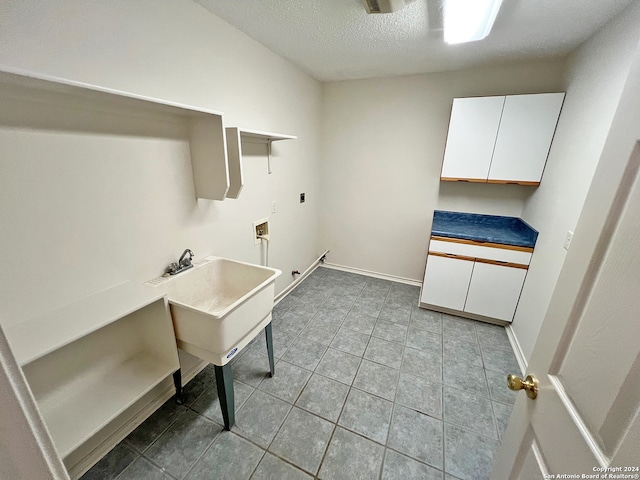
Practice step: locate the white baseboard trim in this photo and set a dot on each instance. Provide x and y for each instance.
(517, 350)
(369, 273)
(302, 276)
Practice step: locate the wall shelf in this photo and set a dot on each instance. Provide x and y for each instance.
(89, 361)
(235, 137)
(37, 337)
(258, 136)
(76, 411)
(206, 135)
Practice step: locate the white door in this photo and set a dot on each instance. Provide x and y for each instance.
(586, 417)
(494, 290)
(526, 131)
(472, 135)
(446, 280)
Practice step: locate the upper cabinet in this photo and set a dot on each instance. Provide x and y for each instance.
(504, 139)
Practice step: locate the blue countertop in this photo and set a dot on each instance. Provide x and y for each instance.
(483, 228)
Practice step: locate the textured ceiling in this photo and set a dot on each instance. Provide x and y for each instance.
(337, 39)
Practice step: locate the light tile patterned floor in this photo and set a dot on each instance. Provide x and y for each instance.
(367, 386)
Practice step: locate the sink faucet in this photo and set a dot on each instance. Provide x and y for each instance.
(183, 264)
(184, 260)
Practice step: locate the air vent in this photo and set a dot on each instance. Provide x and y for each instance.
(385, 6)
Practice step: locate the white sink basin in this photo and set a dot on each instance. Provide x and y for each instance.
(219, 306)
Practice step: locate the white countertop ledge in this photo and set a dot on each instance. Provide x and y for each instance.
(34, 338)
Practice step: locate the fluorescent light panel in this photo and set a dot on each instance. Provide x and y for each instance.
(469, 20)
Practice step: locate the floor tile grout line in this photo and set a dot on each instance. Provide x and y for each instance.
(288, 462)
(495, 424)
(344, 403)
(444, 441)
(393, 411)
(492, 400)
(395, 395)
(471, 431)
(326, 450)
(194, 462)
(351, 386)
(495, 421)
(238, 429)
(143, 451)
(264, 453)
(384, 459)
(148, 460)
(441, 470)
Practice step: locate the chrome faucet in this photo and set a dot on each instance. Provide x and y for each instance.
(184, 260)
(183, 264)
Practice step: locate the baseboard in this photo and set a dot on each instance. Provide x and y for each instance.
(302, 276)
(369, 273)
(517, 350)
(458, 313)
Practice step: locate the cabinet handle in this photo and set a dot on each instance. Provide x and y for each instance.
(452, 255)
(502, 263)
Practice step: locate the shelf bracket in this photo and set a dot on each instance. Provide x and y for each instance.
(269, 156)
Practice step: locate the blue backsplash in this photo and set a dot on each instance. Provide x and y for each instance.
(483, 228)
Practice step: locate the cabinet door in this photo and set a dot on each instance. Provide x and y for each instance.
(526, 131)
(446, 281)
(472, 136)
(494, 290)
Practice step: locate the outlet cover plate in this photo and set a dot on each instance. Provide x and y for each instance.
(567, 240)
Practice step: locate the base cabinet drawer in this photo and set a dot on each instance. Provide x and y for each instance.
(446, 281)
(494, 290)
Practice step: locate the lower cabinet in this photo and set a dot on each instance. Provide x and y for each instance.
(476, 279)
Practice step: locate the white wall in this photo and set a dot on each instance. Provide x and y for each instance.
(382, 148)
(82, 211)
(595, 80)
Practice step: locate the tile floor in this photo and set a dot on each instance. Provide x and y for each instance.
(367, 386)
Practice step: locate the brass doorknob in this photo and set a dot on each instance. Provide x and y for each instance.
(529, 384)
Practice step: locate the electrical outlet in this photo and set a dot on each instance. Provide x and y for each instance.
(260, 227)
(273, 207)
(302, 198)
(567, 241)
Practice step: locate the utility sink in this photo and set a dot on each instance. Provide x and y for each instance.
(219, 306)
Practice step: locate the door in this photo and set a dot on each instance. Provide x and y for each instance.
(526, 131)
(446, 280)
(472, 135)
(586, 417)
(494, 290)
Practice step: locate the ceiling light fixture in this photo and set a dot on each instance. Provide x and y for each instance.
(469, 20)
